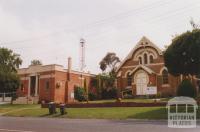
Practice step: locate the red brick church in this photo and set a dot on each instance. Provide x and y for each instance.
(143, 72)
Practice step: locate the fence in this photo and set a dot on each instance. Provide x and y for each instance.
(6, 97)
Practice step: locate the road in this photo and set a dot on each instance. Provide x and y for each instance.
(20, 124)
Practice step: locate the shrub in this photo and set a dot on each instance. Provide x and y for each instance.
(79, 94)
(92, 96)
(109, 94)
(186, 88)
(159, 95)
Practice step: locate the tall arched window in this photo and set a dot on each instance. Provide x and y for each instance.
(165, 78)
(140, 60)
(129, 79)
(145, 59)
(151, 59)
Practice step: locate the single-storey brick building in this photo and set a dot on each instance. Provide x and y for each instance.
(143, 72)
(51, 83)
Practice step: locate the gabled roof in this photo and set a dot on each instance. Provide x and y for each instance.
(148, 70)
(139, 45)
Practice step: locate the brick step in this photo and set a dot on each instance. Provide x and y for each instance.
(26, 100)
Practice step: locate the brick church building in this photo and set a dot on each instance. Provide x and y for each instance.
(143, 72)
(50, 83)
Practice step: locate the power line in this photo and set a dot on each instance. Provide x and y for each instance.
(150, 6)
(159, 17)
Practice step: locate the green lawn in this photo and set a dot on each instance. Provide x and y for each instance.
(94, 113)
(6, 108)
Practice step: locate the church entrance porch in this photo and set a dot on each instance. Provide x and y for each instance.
(141, 80)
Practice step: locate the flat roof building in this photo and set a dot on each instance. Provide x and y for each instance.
(51, 83)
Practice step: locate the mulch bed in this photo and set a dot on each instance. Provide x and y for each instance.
(110, 104)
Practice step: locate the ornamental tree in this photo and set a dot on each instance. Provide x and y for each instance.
(36, 62)
(109, 61)
(183, 55)
(9, 79)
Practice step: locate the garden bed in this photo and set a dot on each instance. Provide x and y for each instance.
(109, 104)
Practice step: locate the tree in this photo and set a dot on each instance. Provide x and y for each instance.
(182, 57)
(194, 25)
(36, 62)
(9, 62)
(110, 60)
(186, 88)
(106, 81)
(105, 84)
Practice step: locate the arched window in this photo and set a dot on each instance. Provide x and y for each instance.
(140, 60)
(151, 59)
(145, 59)
(165, 79)
(129, 79)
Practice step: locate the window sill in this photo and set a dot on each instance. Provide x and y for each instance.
(165, 85)
(128, 87)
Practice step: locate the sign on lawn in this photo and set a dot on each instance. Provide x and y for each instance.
(151, 90)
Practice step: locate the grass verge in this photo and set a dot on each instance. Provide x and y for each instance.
(94, 113)
(88, 113)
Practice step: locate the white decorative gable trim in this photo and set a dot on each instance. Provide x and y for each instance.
(163, 68)
(119, 74)
(142, 52)
(148, 70)
(139, 45)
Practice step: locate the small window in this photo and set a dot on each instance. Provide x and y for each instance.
(151, 59)
(145, 59)
(140, 60)
(129, 79)
(47, 85)
(165, 79)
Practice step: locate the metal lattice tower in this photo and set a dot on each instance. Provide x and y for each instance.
(82, 54)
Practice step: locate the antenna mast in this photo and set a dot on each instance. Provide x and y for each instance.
(82, 54)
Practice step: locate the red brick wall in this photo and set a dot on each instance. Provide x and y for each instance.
(60, 78)
(58, 94)
(152, 80)
(46, 94)
(75, 80)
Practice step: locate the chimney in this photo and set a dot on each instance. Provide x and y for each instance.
(69, 64)
(69, 67)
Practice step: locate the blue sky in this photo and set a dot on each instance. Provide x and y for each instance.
(50, 30)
